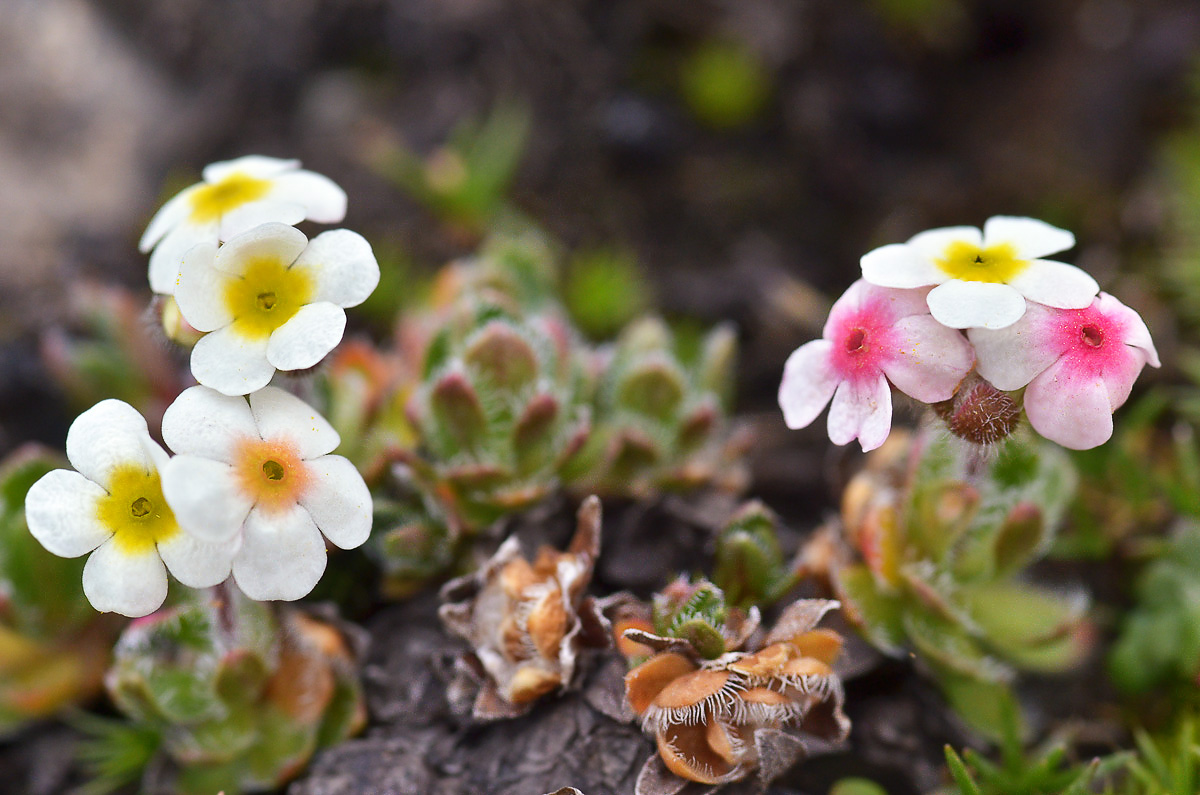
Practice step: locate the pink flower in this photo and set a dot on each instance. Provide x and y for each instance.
(1079, 364)
(873, 335)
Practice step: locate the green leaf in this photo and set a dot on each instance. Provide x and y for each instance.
(881, 615)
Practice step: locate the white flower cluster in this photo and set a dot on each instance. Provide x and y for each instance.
(253, 489)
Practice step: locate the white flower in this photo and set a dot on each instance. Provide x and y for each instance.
(114, 505)
(272, 300)
(258, 476)
(984, 277)
(236, 195)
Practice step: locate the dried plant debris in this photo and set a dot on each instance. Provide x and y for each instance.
(718, 711)
(526, 621)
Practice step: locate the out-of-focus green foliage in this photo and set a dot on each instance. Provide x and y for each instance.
(1159, 641)
(1041, 771)
(466, 181)
(604, 290)
(109, 350)
(1167, 765)
(856, 786)
(54, 647)
(239, 696)
(944, 531)
(725, 83)
(750, 568)
(1133, 485)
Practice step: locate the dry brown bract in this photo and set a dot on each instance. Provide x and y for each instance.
(716, 721)
(524, 620)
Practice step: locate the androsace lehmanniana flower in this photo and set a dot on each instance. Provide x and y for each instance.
(271, 299)
(235, 196)
(1079, 365)
(256, 475)
(984, 277)
(114, 505)
(873, 335)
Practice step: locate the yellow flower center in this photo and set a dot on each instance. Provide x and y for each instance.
(135, 511)
(271, 472)
(268, 294)
(210, 202)
(974, 264)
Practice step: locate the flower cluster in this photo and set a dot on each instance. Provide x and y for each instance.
(253, 489)
(1030, 324)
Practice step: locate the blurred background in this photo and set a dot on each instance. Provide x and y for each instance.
(740, 155)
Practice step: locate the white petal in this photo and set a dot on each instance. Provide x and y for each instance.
(200, 291)
(861, 410)
(1069, 407)
(109, 434)
(1136, 332)
(257, 166)
(1056, 284)
(307, 336)
(342, 265)
(808, 383)
(174, 212)
(932, 359)
(167, 257)
(338, 501)
(231, 363)
(960, 304)
(900, 265)
(282, 556)
(276, 241)
(205, 423)
(323, 201)
(933, 244)
(198, 564)
(1011, 357)
(116, 582)
(60, 510)
(1032, 239)
(205, 496)
(246, 217)
(278, 413)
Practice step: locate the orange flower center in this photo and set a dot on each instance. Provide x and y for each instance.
(272, 472)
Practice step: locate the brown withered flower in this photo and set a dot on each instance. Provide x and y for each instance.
(718, 720)
(525, 620)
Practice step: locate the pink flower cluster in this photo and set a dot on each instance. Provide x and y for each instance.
(1076, 365)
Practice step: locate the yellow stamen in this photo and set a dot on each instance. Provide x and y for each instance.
(268, 295)
(974, 264)
(135, 510)
(210, 202)
(271, 472)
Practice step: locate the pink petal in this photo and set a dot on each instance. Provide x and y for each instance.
(930, 361)
(863, 410)
(1136, 333)
(808, 383)
(1011, 357)
(1069, 406)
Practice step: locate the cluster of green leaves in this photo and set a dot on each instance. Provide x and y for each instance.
(1166, 765)
(750, 568)
(944, 544)
(233, 696)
